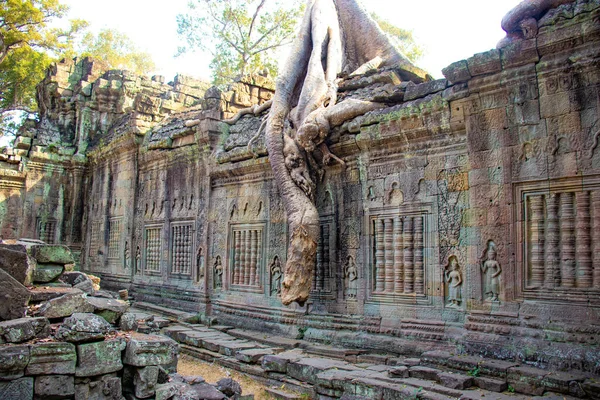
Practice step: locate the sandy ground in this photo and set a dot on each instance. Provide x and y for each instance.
(212, 372)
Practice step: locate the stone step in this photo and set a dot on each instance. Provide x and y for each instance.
(164, 311)
(281, 395)
(270, 340)
(202, 354)
(329, 351)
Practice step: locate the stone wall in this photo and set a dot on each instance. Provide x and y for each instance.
(467, 212)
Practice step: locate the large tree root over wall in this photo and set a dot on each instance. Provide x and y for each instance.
(336, 36)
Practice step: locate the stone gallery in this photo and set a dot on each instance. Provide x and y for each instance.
(355, 202)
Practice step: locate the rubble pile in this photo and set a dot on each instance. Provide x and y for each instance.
(61, 337)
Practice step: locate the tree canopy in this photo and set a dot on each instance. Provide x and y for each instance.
(30, 42)
(402, 38)
(242, 35)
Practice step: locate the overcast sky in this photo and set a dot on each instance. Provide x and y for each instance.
(450, 30)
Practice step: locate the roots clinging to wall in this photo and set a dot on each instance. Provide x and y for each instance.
(305, 108)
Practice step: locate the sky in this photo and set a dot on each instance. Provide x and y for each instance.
(450, 30)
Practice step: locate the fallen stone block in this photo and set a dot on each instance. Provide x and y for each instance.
(52, 254)
(40, 294)
(307, 369)
(424, 373)
(279, 362)
(78, 280)
(201, 391)
(168, 390)
(19, 389)
(455, 381)
(13, 361)
(14, 297)
(45, 273)
(527, 380)
(130, 321)
(493, 385)
(17, 264)
(83, 327)
(398, 372)
(144, 350)
(52, 358)
(54, 386)
(564, 382)
(145, 380)
(109, 309)
(253, 356)
(66, 305)
(228, 387)
(99, 358)
(23, 329)
(106, 387)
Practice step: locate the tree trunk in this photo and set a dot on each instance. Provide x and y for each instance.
(307, 86)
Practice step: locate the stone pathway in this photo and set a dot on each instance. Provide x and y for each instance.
(327, 372)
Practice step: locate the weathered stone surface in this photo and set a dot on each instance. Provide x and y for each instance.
(200, 391)
(52, 254)
(66, 305)
(13, 361)
(485, 63)
(229, 387)
(493, 385)
(145, 350)
(398, 372)
(22, 329)
(527, 380)
(455, 381)
(99, 358)
(457, 72)
(279, 362)
(17, 264)
(109, 309)
(45, 273)
(424, 373)
(145, 380)
(168, 390)
(83, 327)
(54, 386)
(106, 387)
(253, 356)
(52, 358)
(14, 297)
(41, 294)
(19, 389)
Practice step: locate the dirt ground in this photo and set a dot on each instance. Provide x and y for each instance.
(212, 372)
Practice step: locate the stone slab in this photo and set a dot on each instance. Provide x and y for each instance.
(144, 350)
(17, 264)
(83, 327)
(52, 358)
(106, 387)
(45, 273)
(66, 305)
(19, 389)
(54, 386)
(41, 294)
(145, 380)
(52, 254)
(13, 361)
(23, 329)
(109, 309)
(254, 356)
(14, 297)
(99, 358)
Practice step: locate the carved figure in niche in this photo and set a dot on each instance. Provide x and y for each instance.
(454, 279)
(276, 275)
(491, 273)
(126, 255)
(218, 271)
(395, 195)
(199, 263)
(350, 278)
(138, 260)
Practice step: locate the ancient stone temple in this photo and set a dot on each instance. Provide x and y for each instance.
(465, 211)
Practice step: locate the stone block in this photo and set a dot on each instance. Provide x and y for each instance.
(17, 264)
(416, 91)
(14, 297)
(54, 386)
(13, 361)
(19, 389)
(168, 390)
(41, 294)
(485, 63)
(73, 277)
(130, 321)
(519, 52)
(229, 387)
(109, 309)
(307, 369)
(398, 372)
(455, 381)
(99, 358)
(106, 387)
(66, 305)
(424, 373)
(83, 327)
(52, 359)
(527, 380)
(52, 254)
(145, 380)
(23, 329)
(253, 356)
(45, 273)
(457, 72)
(493, 385)
(145, 350)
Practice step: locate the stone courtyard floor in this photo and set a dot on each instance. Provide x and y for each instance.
(323, 372)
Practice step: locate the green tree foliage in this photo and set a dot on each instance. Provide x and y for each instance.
(241, 35)
(30, 42)
(114, 50)
(404, 38)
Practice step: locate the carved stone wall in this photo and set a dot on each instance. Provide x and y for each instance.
(467, 213)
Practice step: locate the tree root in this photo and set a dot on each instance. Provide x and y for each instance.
(299, 268)
(254, 110)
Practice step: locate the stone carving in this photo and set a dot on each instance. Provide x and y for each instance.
(181, 249)
(399, 257)
(322, 272)
(453, 278)
(218, 273)
(138, 260)
(276, 275)
(247, 252)
(153, 249)
(304, 110)
(394, 195)
(199, 264)
(126, 256)
(451, 193)
(350, 278)
(491, 273)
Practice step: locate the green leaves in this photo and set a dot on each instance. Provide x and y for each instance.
(241, 35)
